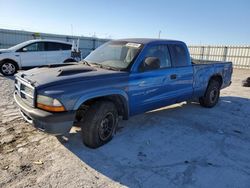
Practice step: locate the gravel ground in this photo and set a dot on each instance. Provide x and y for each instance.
(183, 145)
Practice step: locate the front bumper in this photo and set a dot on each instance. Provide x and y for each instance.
(53, 123)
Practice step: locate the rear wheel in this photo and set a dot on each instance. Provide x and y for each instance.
(8, 68)
(211, 97)
(99, 123)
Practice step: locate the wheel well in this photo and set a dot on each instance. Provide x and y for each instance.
(69, 60)
(10, 60)
(217, 78)
(118, 100)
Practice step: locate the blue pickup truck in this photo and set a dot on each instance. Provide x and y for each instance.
(119, 79)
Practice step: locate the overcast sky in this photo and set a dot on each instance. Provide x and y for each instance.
(193, 21)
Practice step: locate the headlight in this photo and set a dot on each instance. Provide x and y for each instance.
(49, 104)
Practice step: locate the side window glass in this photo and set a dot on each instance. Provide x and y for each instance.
(178, 54)
(53, 46)
(161, 52)
(38, 46)
(65, 46)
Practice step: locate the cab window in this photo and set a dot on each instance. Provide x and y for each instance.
(178, 54)
(161, 52)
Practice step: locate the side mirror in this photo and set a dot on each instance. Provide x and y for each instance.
(150, 63)
(24, 50)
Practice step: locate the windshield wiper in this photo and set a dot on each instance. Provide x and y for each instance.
(111, 68)
(96, 64)
(105, 67)
(86, 63)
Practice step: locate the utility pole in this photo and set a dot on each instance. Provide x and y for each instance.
(159, 34)
(71, 29)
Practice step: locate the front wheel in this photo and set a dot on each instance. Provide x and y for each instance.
(99, 123)
(211, 97)
(8, 68)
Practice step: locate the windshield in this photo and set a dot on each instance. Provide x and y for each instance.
(115, 54)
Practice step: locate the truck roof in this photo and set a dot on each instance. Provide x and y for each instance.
(148, 40)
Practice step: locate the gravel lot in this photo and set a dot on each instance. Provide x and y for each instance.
(183, 145)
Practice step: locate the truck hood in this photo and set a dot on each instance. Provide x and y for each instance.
(65, 73)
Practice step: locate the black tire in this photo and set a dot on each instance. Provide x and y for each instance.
(212, 95)
(246, 83)
(99, 124)
(8, 68)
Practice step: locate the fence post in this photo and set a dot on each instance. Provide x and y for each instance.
(202, 52)
(225, 54)
(94, 43)
(208, 53)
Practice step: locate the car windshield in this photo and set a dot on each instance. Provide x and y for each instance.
(115, 54)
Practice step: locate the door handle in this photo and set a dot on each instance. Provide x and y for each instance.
(141, 84)
(173, 76)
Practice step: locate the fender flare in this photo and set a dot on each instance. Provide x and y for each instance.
(216, 76)
(96, 94)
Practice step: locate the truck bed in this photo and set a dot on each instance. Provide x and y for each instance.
(204, 70)
(205, 62)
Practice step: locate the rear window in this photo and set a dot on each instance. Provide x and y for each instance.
(53, 46)
(179, 55)
(66, 46)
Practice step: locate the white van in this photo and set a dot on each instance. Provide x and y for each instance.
(34, 53)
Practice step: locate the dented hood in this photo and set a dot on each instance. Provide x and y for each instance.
(65, 73)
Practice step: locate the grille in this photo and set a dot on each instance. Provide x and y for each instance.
(25, 91)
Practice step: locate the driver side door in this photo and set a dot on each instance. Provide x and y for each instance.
(150, 88)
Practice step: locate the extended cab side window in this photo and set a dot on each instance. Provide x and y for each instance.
(178, 54)
(161, 52)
